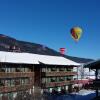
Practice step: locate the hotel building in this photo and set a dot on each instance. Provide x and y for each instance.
(33, 73)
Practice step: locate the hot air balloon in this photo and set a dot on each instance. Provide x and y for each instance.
(76, 33)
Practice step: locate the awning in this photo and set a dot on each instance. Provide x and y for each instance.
(29, 58)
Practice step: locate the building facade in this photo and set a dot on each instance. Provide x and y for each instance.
(32, 74)
(15, 78)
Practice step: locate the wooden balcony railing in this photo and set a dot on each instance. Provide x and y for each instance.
(5, 89)
(16, 74)
(53, 84)
(58, 73)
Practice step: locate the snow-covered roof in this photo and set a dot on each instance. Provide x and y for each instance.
(12, 57)
(29, 58)
(55, 60)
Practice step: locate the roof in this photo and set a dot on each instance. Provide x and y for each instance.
(29, 58)
(93, 65)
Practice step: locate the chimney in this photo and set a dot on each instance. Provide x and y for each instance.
(62, 51)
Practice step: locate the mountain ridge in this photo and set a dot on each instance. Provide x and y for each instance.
(8, 43)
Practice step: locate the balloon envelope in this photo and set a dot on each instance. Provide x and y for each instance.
(76, 33)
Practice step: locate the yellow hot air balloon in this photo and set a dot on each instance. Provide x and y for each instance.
(76, 33)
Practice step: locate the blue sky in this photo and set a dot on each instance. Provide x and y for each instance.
(48, 22)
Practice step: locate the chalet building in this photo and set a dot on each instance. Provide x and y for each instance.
(26, 72)
(95, 65)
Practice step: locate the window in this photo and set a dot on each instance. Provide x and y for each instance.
(61, 69)
(17, 81)
(43, 80)
(69, 69)
(12, 82)
(1, 83)
(61, 78)
(68, 78)
(49, 69)
(53, 79)
(2, 69)
(48, 80)
(18, 70)
(27, 81)
(53, 69)
(43, 69)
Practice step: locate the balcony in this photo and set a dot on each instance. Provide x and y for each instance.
(53, 84)
(5, 89)
(16, 74)
(44, 74)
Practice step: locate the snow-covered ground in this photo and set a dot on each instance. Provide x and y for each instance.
(84, 92)
(81, 95)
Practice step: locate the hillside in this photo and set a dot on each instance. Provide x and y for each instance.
(10, 44)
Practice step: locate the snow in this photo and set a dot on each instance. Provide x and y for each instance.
(29, 58)
(85, 92)
(81, 95)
